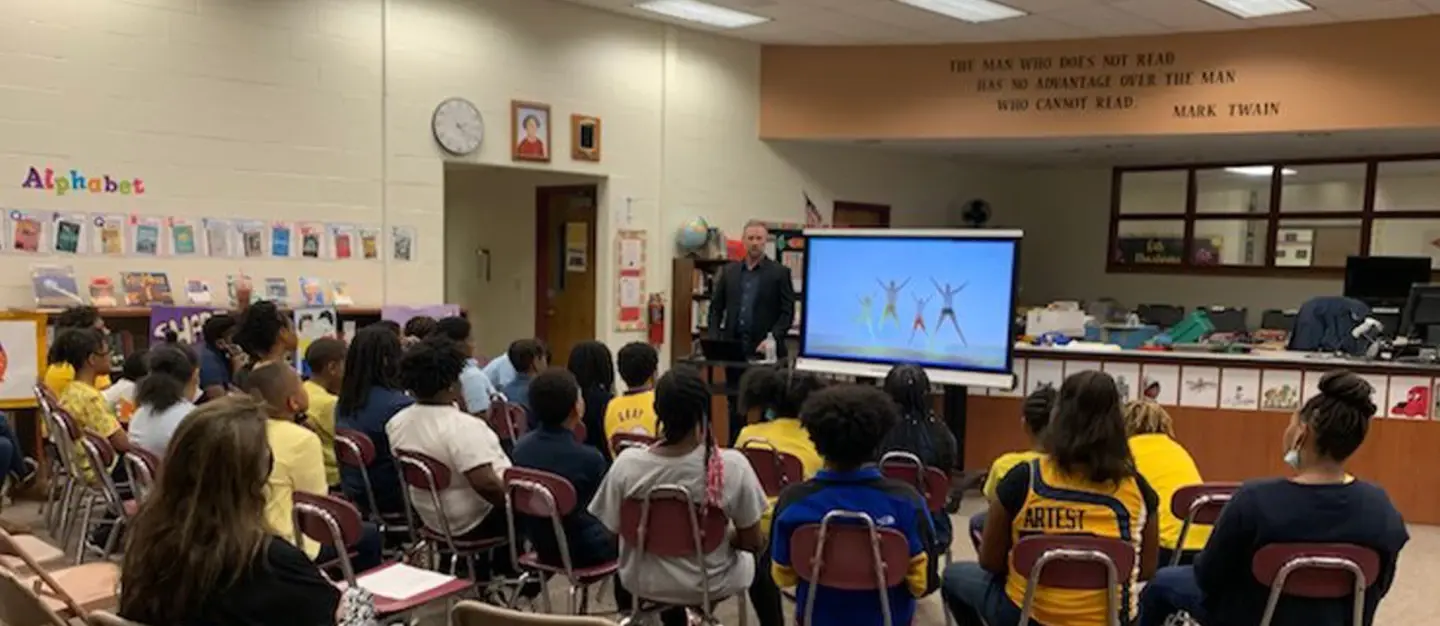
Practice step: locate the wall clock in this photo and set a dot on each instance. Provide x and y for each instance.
(457, 126)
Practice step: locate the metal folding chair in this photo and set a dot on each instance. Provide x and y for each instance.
(774, 468)
(548, 496)
(1315, 570)
(143, 468)
(1074, 562)
(336, 522)
(430, 477)
(829, 554)
(100, 490)
(355, 449)
(1198, 504)
(69, 592)
(508, 420)
(666, 522)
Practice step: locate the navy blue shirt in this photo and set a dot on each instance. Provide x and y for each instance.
(891, 504)
(1280, 511)
(214, 368)
(555, 450)
(749, 290)
(380, 405)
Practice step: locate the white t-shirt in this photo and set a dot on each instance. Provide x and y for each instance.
(678, 580)
(122, 390)
(462, 442)
(152, 430)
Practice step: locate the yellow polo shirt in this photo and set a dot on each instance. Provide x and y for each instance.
(1167, 466)
(299, 467)
(321, 416)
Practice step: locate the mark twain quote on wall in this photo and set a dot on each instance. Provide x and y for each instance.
(1106, 82)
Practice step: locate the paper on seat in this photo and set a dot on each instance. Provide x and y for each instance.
(401, 581)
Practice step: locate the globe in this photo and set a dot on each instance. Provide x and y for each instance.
(693, 234)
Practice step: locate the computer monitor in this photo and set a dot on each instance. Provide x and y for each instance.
(1420, 319)
(1384, 281)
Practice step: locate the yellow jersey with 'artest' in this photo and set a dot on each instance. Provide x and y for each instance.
(1059, 504)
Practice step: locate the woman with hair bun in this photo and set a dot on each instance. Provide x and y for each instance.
(1320, 503)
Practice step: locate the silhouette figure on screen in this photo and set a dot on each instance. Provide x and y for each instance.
(867, 313)
(892, 293)
(947, 308)
(919, 325)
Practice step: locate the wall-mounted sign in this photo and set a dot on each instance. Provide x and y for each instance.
(75, 180)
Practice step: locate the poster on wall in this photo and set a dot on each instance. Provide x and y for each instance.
(67, 233)
(22, 350)
(219, 238)
(342, 241)
(312, 240)
(185, 321)
(252, 238)
(280, 233)
(26, 232)
(1409, 398)
(1127, 379)
(184, 237)
(145, 235)
(109, 234)
(630, 282)
(313, 323)
(402, 243)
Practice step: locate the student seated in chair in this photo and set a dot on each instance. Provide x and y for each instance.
(686, 455)
(166, 397)
(299, 465)
(555, 397)
(1085, 484)
(777, 396)
(475, 500)
(1167, 467)
(634, 410)
(86, 353)
(1320, 503)
(848, 424)
(921, 433)
(59, 373)
(1035, 416)
(201, 550)
(370, 396)
(326, 359)
(529, 358)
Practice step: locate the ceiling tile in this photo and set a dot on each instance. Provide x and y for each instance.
(1103, 18)
(1049, 6)
(1039, 27)
(1187, 14)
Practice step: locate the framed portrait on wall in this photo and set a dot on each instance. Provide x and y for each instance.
(585, 138)
(22, 357)
(529, 131)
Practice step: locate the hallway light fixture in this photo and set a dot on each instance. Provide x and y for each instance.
(1260, 8)
(1259, 170)
(702, 13)
(973, 11)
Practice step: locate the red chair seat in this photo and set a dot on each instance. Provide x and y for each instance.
(585, 575)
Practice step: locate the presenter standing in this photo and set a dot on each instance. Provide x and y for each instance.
(753, 303)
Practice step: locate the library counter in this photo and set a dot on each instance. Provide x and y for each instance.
(1230, 411)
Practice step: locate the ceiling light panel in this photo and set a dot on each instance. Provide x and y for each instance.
(973, 11)
(702, 13)
(1259, 8)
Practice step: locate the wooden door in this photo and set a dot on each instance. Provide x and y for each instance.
(861, 215)
(565, 268)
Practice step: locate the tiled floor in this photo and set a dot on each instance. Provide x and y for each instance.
(1412, 601)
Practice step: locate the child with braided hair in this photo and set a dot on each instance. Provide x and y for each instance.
(686, 455)
(1320, 503)
(920, 432)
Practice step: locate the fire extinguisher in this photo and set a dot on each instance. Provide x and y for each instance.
(655, 314)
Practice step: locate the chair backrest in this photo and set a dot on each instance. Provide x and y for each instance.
(774, 468)
(422, 471)
(666, 520)
(907, 468)
(844, 552)
(143, 467)
(1072, 561)
(507, 419)
(1202, 503)
(539, 494)
(9, 546)
(619, 442)
(330, 521)
(1315, 570)
(354, 448)
(473, 613)
(19, 604)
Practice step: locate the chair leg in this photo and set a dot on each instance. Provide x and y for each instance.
(573, 604)
(84, 529)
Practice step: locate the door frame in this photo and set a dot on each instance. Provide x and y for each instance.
(881, 211)
(543, 261)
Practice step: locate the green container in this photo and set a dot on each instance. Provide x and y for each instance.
(1192, 329)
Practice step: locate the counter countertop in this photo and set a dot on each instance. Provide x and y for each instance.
(1278, 358)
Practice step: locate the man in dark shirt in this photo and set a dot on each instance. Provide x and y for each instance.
(556, 402)
(1320, 504)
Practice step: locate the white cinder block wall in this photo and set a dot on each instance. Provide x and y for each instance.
(320, 109)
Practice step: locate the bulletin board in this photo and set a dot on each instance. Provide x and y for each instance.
(630, 257)
(22, 357)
